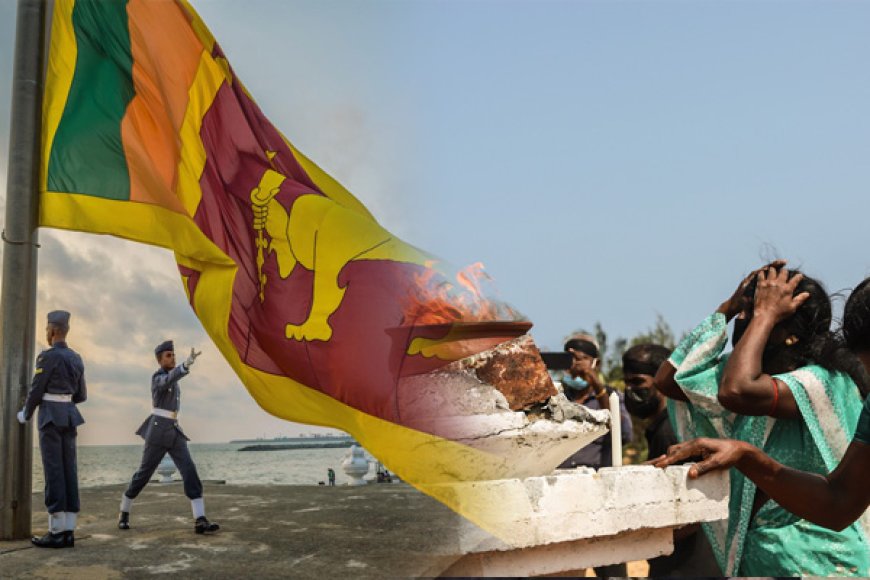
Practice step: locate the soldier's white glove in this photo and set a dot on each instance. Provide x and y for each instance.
(21, 418)
(191, 359)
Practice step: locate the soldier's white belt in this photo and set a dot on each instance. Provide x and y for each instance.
(164, 413)
(55, 398)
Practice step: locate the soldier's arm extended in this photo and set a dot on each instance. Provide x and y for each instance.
(45, 365)
(162, 381)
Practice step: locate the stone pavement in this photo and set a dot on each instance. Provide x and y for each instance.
(375, 531)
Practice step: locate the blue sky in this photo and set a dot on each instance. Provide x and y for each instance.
(606, 160)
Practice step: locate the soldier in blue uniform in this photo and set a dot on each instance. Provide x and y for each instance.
(58, 385)
(163, 435)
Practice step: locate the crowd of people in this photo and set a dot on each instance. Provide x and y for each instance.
(785, 408)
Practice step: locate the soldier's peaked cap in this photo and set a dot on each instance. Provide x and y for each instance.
(163, 347)
(59, 317)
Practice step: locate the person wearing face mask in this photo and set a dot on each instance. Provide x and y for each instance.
(639, 366)
(692, 555)
(583, 385)
(788, 388)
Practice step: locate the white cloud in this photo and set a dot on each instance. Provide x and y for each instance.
(125, 298)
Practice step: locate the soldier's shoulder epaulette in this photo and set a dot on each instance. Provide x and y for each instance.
(45, 358)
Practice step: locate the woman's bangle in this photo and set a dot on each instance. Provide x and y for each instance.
(775, 396)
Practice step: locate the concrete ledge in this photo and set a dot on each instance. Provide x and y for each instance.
(580, 504)
(576, 519)
(565, 557)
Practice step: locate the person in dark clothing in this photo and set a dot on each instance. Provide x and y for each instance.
(583, 386)
(639, 365)
(692, 555)
(163, 435)
(58, 385)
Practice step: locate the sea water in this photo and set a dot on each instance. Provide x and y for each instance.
(114, 464)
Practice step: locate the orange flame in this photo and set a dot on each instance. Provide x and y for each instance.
(436, 300)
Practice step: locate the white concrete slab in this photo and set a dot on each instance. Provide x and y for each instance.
(564, 557)
(582, 503)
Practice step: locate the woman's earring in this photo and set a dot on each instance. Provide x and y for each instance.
(791, 341)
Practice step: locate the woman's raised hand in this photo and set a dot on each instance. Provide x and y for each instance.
(738, 302)
(774, 295)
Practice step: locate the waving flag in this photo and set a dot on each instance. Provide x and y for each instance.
(149, 135)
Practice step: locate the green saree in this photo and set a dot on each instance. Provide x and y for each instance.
(774, 542)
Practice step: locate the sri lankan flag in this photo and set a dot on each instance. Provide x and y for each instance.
(149, 135)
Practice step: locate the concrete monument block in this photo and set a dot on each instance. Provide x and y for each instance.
(574, 519)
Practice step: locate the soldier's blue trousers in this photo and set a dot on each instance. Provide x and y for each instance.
(151, 456)
(58, 448)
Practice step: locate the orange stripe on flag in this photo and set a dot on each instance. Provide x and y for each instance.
(166, 56)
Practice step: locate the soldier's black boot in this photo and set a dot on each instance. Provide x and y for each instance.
(69, 539)
(203, 526)
(50, 540)
(124, 521)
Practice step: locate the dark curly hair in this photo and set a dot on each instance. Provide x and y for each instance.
(817, 343)
(855, 329)
(856, 318)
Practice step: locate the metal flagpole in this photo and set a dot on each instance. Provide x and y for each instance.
(18, 297)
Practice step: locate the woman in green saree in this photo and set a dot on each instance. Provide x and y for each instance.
(787, 388)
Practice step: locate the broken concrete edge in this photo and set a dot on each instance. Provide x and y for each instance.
(561, 409)
(540, 447)
(569, 418)
(528, 445)
(580, 504)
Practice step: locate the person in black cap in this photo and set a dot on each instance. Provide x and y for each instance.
(583, 386)
(58, 385)
(163, 435)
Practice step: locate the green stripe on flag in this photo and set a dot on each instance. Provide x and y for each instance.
(87, 155)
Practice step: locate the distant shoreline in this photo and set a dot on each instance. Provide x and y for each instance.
(302, 439)
(281, 447)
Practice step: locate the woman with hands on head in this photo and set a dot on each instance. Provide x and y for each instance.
(788, 388)
(833, 501)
